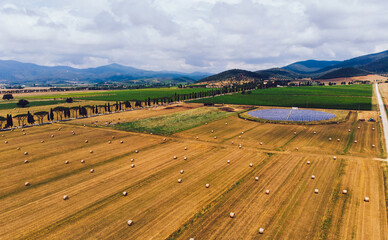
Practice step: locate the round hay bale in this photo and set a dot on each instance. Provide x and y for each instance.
(92, 170)
(191, 239)
(182, 171)
(240, 146)
(355, 141)
(312, 176)
(26, 161)
(130, 222)
(67, 162)
(164, 139)
(242, 132)
(132, 165)
(184, 158)
(373, 145)
(261, 230)
(215, 137)
(256, 179)
(232, 215)
(251, 165)
(151, 133)
(132, 160)
(24, 133)
(226, 123)
(113, 137)
(315, 132)
(261, 143)
(109, 142)
(65, 197)
(232, 142)
(344, 191)
(366, 199)
(52, 136)
(338, 140)
(239, 136)
(179, 180)
(212, 131)
(42, 141)
(185, 148)
(136, 151)
(125, 193)
(297, 149)
(121, 141)
(5, 142)
(91, 151)
(175, 157)
(308, 162)
(349, 130)
(228, 161)
(294, 133)
(205, 123)
(207, 185)
(18, 148)
(25, 153)
(86, 141)
(334, 157)
(26, 184)
(358, 127)
(197, 137)
(82, 161)
(267, 191)
(373, 129)
(329, 139)
(316, 191)
(73, 133)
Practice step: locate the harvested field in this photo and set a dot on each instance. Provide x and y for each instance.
(162, 208)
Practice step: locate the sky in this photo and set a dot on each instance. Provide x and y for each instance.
(190, 35)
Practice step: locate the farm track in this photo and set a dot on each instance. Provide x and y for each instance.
(161, 207)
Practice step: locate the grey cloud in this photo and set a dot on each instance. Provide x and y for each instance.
(191, 35)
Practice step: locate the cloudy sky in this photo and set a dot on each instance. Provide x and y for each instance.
(190, 35)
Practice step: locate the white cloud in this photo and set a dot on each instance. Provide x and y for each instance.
(190, 35)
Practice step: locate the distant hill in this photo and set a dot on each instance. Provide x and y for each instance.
(376, 63)
(309, 66)
(280, 73)
(344, 72)
(14, 72)
(234, 76)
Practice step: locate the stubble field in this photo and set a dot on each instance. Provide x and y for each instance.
(162, 208)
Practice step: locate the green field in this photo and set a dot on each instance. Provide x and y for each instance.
(12, 105)
(356, 97)
(176, 122)
(123, 95)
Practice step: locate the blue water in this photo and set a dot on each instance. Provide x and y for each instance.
(291, 115)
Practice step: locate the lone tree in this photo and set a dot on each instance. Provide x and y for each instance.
(9, 120)
(30, 118)
(21, 118)
(7, 96)
(127, 104)
(59, 111)
(40, 115)
(51, 115)
(2, 119)
(69, 100)
(74, 111)
(22, 103)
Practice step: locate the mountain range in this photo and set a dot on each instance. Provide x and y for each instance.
(376, 63)
(14, 72)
